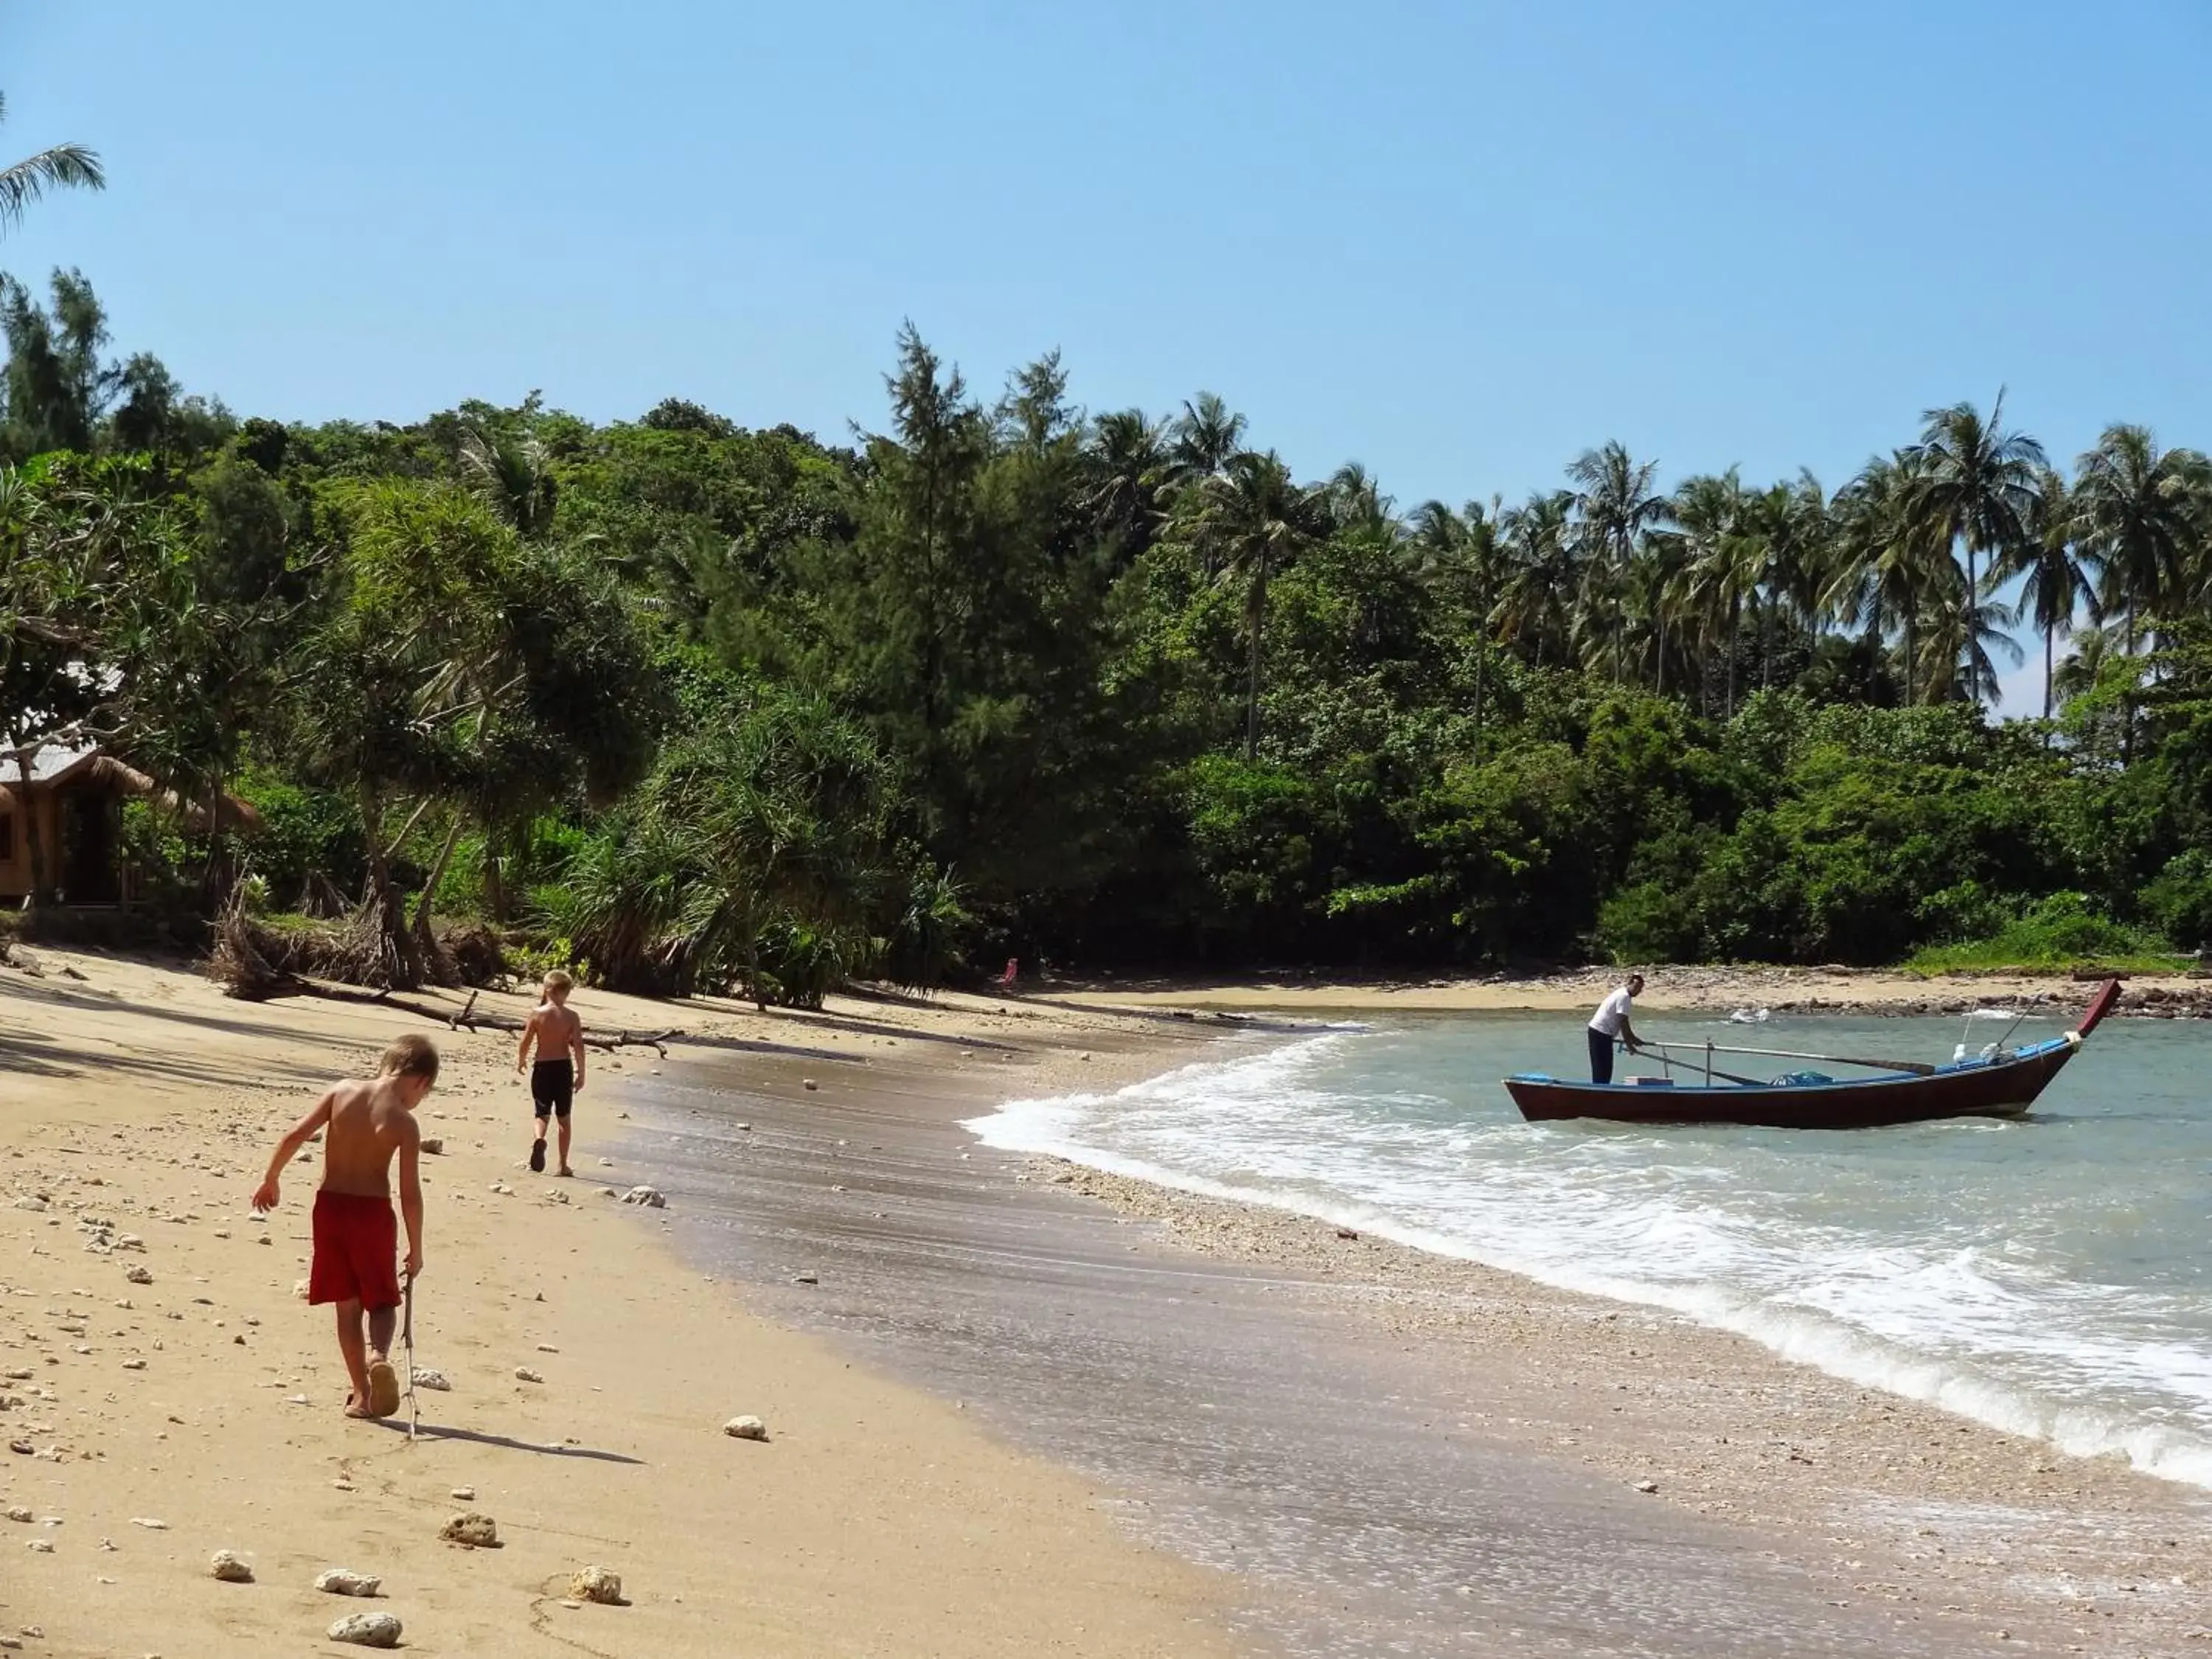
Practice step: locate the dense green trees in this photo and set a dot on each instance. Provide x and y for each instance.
(705, 706)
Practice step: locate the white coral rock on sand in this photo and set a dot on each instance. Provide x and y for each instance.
(524, 1374)
(745, 1428)
(140, 1276)
(367, 1630)
(648, 1196)
(478, 1531)
(149, 1523)
(41, 1546)
(426, 1378)
(343, 1581)
(596, 1583)
(227, 1566)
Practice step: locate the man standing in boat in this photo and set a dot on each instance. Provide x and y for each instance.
(1610, 1024)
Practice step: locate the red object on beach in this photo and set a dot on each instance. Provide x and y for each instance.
(1013, 972)
(2003, 1084)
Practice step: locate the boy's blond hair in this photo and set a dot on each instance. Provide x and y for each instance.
(558, 983)
(411, 1056)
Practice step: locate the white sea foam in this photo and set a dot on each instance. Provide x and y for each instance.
(1803, 1245)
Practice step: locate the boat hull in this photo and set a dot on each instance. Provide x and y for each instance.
(2001, 1088)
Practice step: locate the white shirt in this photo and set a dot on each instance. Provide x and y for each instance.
(1611, 1014)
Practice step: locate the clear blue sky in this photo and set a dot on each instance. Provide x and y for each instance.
(1458, 242)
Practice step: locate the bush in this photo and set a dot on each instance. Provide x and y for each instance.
(1651, 922)
(2178, 902)
(2061, 931)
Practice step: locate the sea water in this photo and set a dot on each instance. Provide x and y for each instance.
(2047, 1275)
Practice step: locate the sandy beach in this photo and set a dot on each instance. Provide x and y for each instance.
(1014, 1406)
(156, 1422)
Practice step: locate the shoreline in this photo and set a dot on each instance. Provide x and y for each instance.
(1931, 1526)
(1668, 989)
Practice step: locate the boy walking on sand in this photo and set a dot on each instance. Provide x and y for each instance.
(355, 1235)
(558, 1077)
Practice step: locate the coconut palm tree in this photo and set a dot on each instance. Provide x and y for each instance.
(1725, 560)
(1977, 490)
(1206, 435)
(1252, 517)
(65, 166)
(1460, 553)
(1129, 464)
(1890, 563)
(1543, 572)
(1616, 508)
(2056, 583)
(2143, 518)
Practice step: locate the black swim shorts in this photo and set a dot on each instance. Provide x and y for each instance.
(553, 1086)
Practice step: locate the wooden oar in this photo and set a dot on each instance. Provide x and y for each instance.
(1918, 1068)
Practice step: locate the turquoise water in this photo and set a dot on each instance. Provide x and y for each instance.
(2046, 1275)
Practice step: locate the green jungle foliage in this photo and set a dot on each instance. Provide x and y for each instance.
(702, 708)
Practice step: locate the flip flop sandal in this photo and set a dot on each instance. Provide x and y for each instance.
(538, 1158)
(383, 1389)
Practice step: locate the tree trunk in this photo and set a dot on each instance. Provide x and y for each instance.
(426, 942)
(1252, 677)
(1736, 626)
(34, 837)
(2048, 634)
(1660, 683)
(401, 965)
(1911, 656)
(495, 878)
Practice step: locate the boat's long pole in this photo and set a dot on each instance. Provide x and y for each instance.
(1920, 1068)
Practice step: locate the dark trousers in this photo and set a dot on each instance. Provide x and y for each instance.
(1601, 1057)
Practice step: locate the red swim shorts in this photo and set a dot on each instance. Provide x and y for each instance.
(357, 1251)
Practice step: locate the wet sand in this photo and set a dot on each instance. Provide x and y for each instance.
(1397, 1453)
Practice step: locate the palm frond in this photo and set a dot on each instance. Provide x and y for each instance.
(65, 166)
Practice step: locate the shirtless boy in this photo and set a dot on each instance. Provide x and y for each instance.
(355, 1236)
(558, 1077)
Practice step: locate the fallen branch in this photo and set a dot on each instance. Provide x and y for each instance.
(466, 1019)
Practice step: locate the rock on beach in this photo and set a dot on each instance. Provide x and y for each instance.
(367, 1630)
(478, 1532)
(650, 1197)
(596, 1583)
(227, 1566)
(745, 1428)
(343, 1581)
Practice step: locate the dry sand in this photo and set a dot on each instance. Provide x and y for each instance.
(875, 1520)
(1669, 989)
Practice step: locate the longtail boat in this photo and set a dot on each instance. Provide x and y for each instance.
(1998, 1082)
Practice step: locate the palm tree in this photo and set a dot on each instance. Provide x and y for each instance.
(1616, 509)
(1254, 518)
(2142, 517)
(2057, 584)
(1129, 464)
(1724, 559)
(1890, 566)
(1460, 552)
(65, 166)
(1542, 572)
(1977, 488)
(512, 473)
(1206, 435)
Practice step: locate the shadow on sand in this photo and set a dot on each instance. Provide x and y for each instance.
(438, 1431)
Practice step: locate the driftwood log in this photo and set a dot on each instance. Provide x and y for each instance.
(466, 1018)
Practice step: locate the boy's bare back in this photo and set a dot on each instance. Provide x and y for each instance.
(367, 1124)
(555, 1030)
